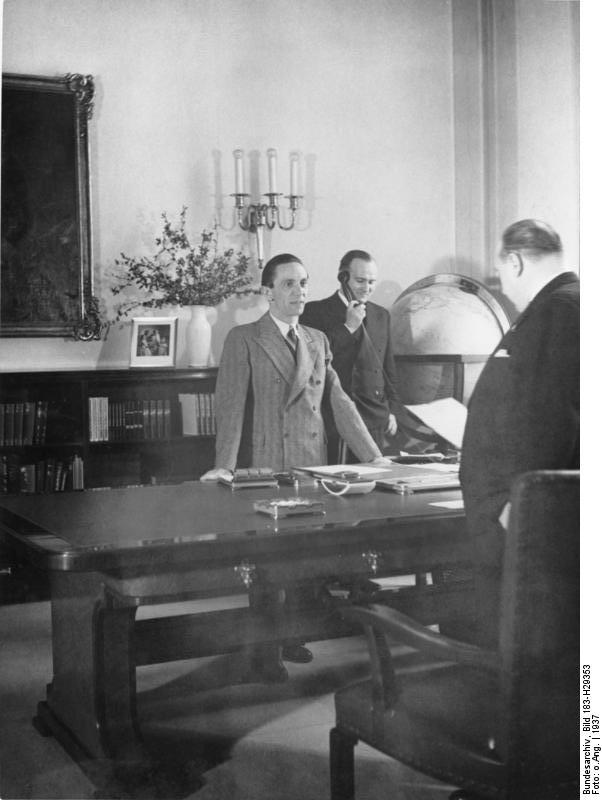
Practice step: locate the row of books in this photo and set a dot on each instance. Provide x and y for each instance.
(127, 420)
(23, 423)
(43, 476)
(198, 414)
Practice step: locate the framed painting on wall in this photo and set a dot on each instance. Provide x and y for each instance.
(45, 271)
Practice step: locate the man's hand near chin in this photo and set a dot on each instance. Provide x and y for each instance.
(215, 474)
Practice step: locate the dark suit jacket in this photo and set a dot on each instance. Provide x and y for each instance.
(272, 406)
(365, 365)
(523, 415)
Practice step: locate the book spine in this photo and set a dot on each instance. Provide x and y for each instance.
(49, 478)
(167, 418)
(92, 419)
(18, 425)
(29, 415)
(27, 479)
(9, 424)
(212, 413)
(78, 473)
(43, 421)
(104, 413)
(3, 474)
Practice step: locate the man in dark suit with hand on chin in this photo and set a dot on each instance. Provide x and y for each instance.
(359, 335)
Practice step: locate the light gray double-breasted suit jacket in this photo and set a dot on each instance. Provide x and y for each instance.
(268, 407)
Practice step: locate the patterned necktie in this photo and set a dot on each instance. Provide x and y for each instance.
(291, 340)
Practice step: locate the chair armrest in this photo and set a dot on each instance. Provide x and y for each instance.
(403, 628)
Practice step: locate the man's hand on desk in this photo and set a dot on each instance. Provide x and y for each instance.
(381, 461)
(215, 474)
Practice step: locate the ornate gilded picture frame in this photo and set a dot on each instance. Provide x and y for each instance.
(45, 272)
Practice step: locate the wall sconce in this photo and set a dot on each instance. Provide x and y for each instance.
(257, 216)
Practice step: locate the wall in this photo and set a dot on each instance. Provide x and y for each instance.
(379, 98)
(532, 117)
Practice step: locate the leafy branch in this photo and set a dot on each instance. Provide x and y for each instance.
(181, 273)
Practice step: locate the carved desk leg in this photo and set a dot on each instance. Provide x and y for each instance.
(91, 702)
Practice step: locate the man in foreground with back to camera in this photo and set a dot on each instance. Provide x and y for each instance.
(273, 377)
(524, 411)
(360, 338)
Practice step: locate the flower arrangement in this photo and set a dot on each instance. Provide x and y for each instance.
(181, 273)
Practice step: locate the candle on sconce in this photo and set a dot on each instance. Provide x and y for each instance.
(294, 173)
(239, 178)
(272, 171)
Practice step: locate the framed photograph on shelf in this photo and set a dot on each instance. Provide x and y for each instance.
(153, 342)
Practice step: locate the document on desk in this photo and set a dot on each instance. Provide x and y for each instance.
(338, 470)
(400, 478)
(447, 417)
(456, 504)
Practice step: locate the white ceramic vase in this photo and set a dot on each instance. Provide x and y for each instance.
(198, 337)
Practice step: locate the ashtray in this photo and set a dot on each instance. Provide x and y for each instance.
(289, 507)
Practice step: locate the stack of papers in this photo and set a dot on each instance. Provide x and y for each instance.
(422, 479)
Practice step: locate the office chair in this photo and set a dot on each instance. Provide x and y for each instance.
(498, 724)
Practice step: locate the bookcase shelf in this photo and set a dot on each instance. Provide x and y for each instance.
(103, 428)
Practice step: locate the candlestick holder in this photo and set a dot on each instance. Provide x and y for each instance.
(254, 217)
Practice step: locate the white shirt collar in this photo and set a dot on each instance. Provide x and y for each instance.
(342, 297)
(283, 327)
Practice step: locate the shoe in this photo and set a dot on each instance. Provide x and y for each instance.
(296, 653)
(266, 672)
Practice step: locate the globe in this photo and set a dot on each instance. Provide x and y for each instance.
(443, 329)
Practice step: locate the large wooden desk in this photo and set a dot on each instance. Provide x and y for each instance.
(109, 552)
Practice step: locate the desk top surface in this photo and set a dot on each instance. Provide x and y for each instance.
(78, 526)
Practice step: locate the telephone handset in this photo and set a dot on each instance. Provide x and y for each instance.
(347, 290)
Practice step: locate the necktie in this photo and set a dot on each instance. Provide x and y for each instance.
(291, 340)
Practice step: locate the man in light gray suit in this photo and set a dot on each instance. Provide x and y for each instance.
(270, 388)
(273, 376)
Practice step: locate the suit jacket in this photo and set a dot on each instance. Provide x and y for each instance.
(269, 408)
(365, 365)
(524, 410)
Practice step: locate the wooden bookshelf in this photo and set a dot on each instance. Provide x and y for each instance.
(41, 451)
(73, 430)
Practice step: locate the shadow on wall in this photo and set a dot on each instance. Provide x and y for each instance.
(386, 293)
(234, 311)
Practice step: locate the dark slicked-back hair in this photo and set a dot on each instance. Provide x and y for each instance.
(269, 271)
(348, 258)
(532, 237)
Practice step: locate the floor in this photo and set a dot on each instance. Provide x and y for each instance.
(236, 742)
